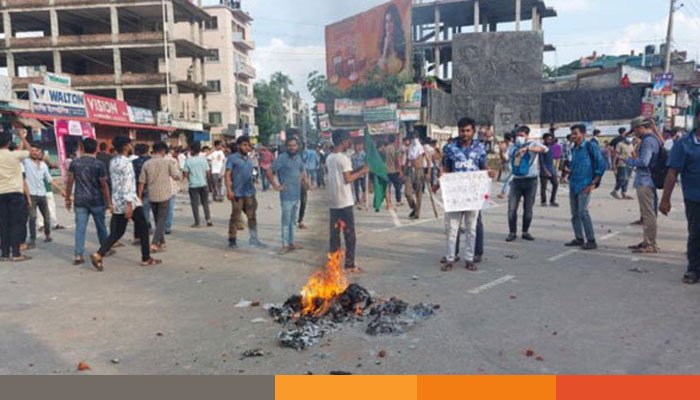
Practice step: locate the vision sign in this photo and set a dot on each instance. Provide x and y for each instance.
(107, 109)
(57, 101)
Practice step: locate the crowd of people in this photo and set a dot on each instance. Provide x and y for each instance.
(135, 181)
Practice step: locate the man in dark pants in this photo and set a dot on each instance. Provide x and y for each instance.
(38, 178)
(12, 198)
(197, 171)
(105, 158)
(548, 173)
(127, 206)
(302, 207)
(156, 175)
(340, 179)
(685, 160)
(240, 188)
(524, 186)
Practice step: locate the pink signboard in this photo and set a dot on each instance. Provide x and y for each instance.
(106, 109)
(65, 128)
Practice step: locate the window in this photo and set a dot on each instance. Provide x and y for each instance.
(212, 23)
(215, 118)
(213, 55)
(214, 85)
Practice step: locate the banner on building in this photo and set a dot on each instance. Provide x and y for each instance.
(409, 114)
(380, 114)
(324, 123)
(376, 102)
(379, 38)
(57, 80)
(663, 84)
(348, 107)
(63, 128)
(56, 101)
(465, 191)
(107, 109)
(383, 128)
(320, 108)
(412, 96)
(139, 115)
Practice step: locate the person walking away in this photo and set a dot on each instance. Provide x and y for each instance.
(465, 154)
(141, 151)
(240, 187)
(644, 160)
(358, 160)
(623, 152)
(126, 206)
(291, 176)
(218, 170)
(340, 178)
(685, 160)
(158, 174)
(525, 167)
(13, 201)
(548, 173)
(37, 177)
(587, 169)
(88, 176)
(197, 172)
(393, 168)
(311, 160)
(415, 177)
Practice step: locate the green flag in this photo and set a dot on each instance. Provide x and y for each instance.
(378, 169)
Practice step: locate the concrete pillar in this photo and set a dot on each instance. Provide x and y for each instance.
(437, 35)
(535, 19)
(477, 17)
(117, 61)
(7, 28)
(53, 15)
(518, 10)
(194, 34)
(120, 94)
(199, 100)
(11, 71)
(57, 64)
(114, 17)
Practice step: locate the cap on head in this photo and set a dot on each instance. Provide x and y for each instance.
(639, 122)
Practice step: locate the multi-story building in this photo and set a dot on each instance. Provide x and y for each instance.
(110, 48)
(228, 69)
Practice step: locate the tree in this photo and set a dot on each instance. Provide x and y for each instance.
(282, 82)
(321, 89)
(269, 114)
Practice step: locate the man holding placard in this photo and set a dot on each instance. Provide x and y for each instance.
(462, 160)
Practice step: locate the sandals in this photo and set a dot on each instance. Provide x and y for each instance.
(470, 266)
(691, 278)
(646, 250)
(443, 260)
(637, 246)
(96, 260)
(449, 265)
(21, 258)
(151, 262)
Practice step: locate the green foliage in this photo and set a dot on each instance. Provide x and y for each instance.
(269, 115)
(377, 84)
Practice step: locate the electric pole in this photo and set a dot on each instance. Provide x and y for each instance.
(669, 37)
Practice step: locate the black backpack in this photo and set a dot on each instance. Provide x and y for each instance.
(660, 169)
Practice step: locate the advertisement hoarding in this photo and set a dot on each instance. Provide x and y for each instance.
(377, 38)
(347, 107)
(139, 115)
(663, 84)
(379, 114)
(106, 109)
(57, 101)
(412, 96)
(383, 128)
(409, 114)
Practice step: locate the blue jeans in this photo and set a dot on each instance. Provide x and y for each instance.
(290, 209)
(82, 216)
(171, 215)
(623, 178)
(311, 174)
(580, 217)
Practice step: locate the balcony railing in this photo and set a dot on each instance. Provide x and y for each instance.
(238, 39)
(245, 70)
(247, 100)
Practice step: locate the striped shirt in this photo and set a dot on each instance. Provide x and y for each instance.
(156, 175)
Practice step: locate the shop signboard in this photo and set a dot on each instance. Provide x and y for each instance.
(107, 109)
(139, 115)
(412, 96)
(379, 114)
(57, 101)
(63, 128)
(348, 107)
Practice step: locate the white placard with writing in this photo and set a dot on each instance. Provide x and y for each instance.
(465, 191)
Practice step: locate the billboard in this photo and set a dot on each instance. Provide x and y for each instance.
(57, 101)
(379, 37)
(106, 109)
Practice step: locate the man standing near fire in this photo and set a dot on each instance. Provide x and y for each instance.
(463, 155)
(341, 202)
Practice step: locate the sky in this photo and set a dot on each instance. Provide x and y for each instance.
(290, 34)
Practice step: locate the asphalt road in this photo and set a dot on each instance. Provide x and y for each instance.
(600, 312)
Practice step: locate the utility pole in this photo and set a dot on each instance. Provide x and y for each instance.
(669, 37)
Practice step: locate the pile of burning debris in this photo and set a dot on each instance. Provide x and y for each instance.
(327, 301)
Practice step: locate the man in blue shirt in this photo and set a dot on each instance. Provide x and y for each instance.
(587, 169)
(240, 186)
(646, 158)
(290, 178)
(197, 171)
(311, 161)
(548, 173)
(685, 160)
(463, 155)
(523, 186)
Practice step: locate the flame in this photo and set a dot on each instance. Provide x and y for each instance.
(326, 284)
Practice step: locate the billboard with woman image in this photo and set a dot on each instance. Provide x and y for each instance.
(378, 38)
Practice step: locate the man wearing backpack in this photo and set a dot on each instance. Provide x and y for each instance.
(685, 160)
(587, 169)
(646, 160)
(525, 168)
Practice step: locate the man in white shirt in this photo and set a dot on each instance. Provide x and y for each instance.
(415, 172)
(37, 177)
(340, 178)
(217, 159)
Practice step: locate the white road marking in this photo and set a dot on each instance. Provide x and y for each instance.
(492, 284)
(403, 226)
(574, 251)
(395, 217)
